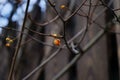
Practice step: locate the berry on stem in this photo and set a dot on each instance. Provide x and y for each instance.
(7, 39)
(7, 44)
(62, 6)
(57, 42)
(54, 35)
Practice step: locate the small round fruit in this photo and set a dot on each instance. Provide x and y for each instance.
(11, 41)
(56, 42)
(7, 39)
(54, 35)
(7, 44)
(62, 6)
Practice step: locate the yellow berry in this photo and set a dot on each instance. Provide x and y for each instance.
(62, 6)
(54, 35)
(7, 39)
(56, 42)
(11, 41)
(7, 44)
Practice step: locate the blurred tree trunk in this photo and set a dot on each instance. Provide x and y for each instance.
(117, 29)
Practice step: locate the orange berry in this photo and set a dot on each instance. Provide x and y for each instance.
(56, 42)
(7, 44)
(62, 6)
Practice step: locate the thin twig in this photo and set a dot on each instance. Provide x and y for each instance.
(75, 11)
(64, 38)
(53, 6)
(77, 57)
(42, 64)
(87, 25)
(64, 26)
(112, 11)
(42, 24)
(18, 45)
(43, 34)
(52, 56)
(116, 9)
(33, 38)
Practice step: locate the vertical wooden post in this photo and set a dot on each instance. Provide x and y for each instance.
(112, 48)
(116, 6)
